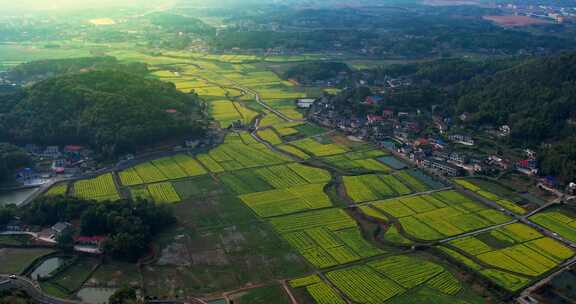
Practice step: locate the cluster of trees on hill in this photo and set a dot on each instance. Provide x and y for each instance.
(319, 39)
(314, 71)
(443, 72)
(560, 160)
(129, 225)
(11, 158)
(536, 97)
(47, 68)
(113, 111)
(178, 23)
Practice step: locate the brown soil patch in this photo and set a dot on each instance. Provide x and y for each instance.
(514, 21)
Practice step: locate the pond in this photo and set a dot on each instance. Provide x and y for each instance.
(16, 197)
(95, 295)
(47, 267)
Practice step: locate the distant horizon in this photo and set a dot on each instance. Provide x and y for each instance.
(54, 5)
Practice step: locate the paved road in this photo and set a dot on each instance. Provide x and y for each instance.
(265, 105)
(32, 289)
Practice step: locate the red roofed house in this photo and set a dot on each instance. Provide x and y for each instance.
(372, 100)
(171, 111)
(388, 113)
(374, 118)
(73, 148)
(421, 142)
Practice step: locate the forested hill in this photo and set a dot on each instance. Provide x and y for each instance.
(536, 98)
(178, 23)
(112, 111)
(37, 70)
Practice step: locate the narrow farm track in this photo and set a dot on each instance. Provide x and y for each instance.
(289, 292)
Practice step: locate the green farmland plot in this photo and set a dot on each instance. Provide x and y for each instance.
(316, 148)
(364, 188)
(162, 169)
(287, 200)
(439, 215)
(270, 136)
(163, 193)
(58, 189)
(399, 279)
(325, 237)
(558, 220)
(169, 168)
(363, 284)
(149, 173)
(515, 249)
(100, 188)
(363, 160)
(294, 151)
(190, 166)
(280, 176)
(210, 163)
(244, 182)
(322, 293)
(507, 204)
(234, 154)
(130, 177)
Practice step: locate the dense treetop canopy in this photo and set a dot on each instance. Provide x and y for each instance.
(111, 110)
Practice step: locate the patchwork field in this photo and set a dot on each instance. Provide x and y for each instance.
(382, 281)
(360, 161)
(504, 203)
(558, 220)
(365, 188)
(439, 215)
(325, 237)
(251, 216)
(517, 250)
(312, 146)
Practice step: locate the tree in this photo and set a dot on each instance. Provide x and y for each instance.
(113, 111)
(6, 215)
(65, 240)
(124, 295)
(11, 158)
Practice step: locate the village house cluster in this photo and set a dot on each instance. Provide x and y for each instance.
(447, 151)
(55, 160)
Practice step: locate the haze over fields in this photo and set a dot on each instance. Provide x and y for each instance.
(37, 5)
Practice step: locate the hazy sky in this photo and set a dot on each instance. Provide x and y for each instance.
(71, 4)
